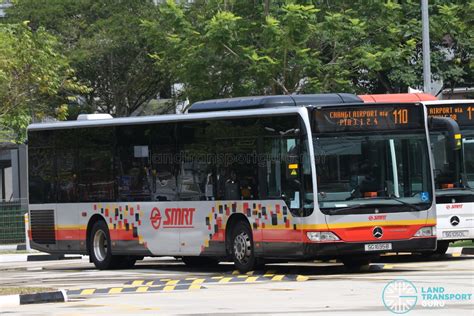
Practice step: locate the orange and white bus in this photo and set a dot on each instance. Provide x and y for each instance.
(453, 170)
(249, 179)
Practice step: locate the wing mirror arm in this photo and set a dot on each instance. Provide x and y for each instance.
(451, 127)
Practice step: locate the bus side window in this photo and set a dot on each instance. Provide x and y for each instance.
(163, 168)
(132, 163)
(95, 168)
(195, 172)
(66, 166)
(42, 173)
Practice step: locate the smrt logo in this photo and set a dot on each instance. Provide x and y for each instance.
(174, 218)
(377, 217)
(155, 218)
(454, 206)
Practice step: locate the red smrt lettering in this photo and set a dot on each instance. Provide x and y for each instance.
(377, 217)
(179, 218)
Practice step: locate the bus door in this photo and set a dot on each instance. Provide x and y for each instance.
(286, 173)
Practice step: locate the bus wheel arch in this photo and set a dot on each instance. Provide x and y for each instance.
(229, 227)
(99, 247)
(94, 219)
(239, 238)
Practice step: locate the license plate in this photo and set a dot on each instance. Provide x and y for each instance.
(456, 234)
(378, 247)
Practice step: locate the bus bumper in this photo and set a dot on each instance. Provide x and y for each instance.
(357, 248)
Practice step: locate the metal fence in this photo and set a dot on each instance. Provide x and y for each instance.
(12, 223)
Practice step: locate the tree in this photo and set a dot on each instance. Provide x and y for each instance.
(104, 42)
(221, 49)
(36, 81)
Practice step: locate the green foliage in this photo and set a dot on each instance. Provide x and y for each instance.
(130, 51)
(104, 43)
(35, 79)
(221, 49)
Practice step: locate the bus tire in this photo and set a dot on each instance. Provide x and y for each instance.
(99, 248)
(356, 264)
(243, 252)
(123, 262)
(200, 261)
(441, 247)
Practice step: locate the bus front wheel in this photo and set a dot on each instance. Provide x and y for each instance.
(243, 248)
(356, 264)
(441, 249)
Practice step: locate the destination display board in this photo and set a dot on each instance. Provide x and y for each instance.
(461, 113)
(359, 118)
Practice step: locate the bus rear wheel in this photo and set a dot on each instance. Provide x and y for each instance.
(101, 252)
(243, 248)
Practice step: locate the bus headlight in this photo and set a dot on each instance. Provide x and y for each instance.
(426, 232)
(322, 236)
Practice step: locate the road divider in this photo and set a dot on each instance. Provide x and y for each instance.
(36, 298)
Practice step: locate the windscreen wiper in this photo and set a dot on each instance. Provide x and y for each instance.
(343, 210)
(394, 198)
(346, 210)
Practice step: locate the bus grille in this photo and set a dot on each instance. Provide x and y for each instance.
(42, 226)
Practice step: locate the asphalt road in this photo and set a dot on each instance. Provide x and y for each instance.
(157, 286)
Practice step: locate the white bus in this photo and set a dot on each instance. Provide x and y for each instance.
(453, 170)
(254, 179)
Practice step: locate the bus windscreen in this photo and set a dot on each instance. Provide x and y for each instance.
(462, 113)
(382, 117)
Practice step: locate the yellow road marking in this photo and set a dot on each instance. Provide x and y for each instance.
(278, 277)
(137, 282)
(142, 289)
(301, 278)
(115, 290)
(198, 281)
(168, 288)
(88, 292)
(252, 279)
(225, 280)
(172, 282)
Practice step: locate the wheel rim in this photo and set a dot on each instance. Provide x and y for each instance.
(100, 245)
(242, 247)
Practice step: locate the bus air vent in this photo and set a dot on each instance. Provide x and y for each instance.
(42, 226)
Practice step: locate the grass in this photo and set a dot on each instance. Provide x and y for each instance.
(463, 243)
(15, 252)
(24, 290)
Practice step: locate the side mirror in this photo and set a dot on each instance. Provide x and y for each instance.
(451, 127)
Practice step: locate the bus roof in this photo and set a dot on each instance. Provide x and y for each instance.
(188, 117)
(397, 97)
(161, 118)
(272, 101)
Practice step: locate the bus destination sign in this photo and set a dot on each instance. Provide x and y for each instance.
(358, 118)
(461, 113)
